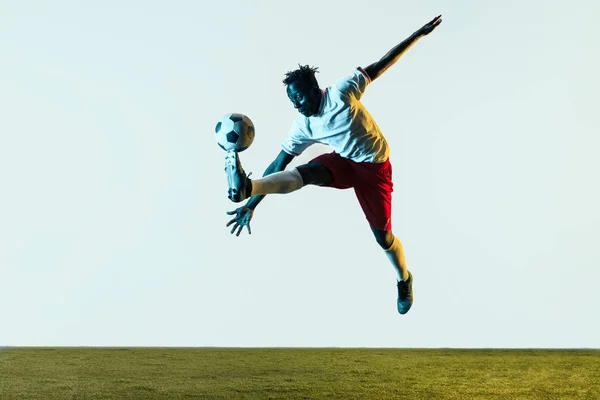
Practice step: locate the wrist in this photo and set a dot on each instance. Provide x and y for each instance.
(252, 203)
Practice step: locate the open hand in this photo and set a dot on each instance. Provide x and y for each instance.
(242, 218)
(430, 26)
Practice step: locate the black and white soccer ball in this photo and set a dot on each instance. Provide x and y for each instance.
(234, 132)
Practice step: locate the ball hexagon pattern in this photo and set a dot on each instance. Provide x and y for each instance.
(234, 131)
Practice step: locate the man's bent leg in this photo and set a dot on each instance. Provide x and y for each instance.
(374, 193)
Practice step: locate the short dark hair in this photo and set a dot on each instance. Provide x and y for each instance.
(304, 74)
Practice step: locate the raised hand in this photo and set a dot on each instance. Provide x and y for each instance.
(242, 218)
(430, 26)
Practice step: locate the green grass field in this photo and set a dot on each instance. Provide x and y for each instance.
(281, 373)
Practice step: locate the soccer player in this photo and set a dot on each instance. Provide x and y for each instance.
(360, 158)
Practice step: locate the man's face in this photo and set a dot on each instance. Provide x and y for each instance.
(305, 98)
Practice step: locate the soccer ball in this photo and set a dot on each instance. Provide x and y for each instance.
(234, 132)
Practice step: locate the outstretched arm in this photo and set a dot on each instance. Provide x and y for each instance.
(379, 67)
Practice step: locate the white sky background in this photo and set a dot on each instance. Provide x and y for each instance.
(113, 194)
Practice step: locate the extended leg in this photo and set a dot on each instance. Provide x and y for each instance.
(311, 173)
(241, 187)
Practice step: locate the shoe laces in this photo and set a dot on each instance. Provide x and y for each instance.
(230, 160)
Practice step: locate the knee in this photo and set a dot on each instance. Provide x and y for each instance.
(385, 239)
(314, 173)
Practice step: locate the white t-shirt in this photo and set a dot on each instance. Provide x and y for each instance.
(342, 122)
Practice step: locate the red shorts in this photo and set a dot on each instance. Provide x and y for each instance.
(372, 183)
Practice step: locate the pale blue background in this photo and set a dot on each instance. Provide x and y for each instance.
(113, 194)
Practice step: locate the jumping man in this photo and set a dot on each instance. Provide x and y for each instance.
(360, 158)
